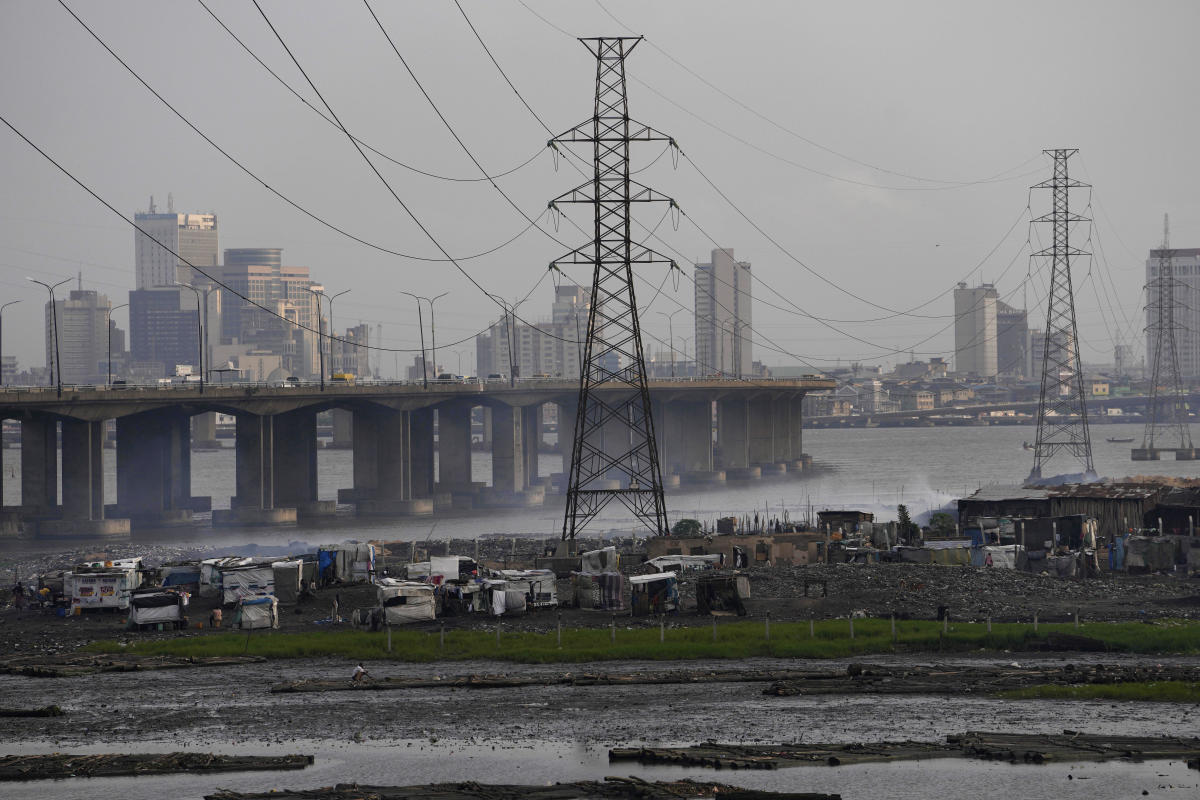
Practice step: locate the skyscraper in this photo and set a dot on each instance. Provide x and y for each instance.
(192, 236)
(1185, 266)
(1012, 340)
(723, 315)
(82, 336)
(976, 330)
(162, 331)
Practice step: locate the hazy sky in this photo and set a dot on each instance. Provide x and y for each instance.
(951, 93)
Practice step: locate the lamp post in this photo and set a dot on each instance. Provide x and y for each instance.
(320, 335)
(108, 329)
(199, 328)
(510, 313)
(333, 335)
(685, 340)
(671, 328)
(2, 307)
(421, 325)
(433, 330)
(54, 328)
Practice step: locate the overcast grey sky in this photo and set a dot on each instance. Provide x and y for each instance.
(951, 92)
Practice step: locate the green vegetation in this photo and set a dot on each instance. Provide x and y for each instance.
(1152, 691)
(686, 527)
(740, 639)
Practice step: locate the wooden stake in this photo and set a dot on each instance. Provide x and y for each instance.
(989, 624)
(851, 627)
(714, 619)
(662, 629)
(560, 629)
(893, 627)
(389, 630)
(768, 626)
(613, 628)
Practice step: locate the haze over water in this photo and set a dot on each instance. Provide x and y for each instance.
(868, 469)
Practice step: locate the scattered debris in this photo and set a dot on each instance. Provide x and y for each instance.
(71, 666)
(63, 765)
(44, 711)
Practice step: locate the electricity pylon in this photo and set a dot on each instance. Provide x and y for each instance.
(614, 429)
(1062, 411)
(1166, 408)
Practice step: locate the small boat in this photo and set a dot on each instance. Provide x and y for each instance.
(1027, 445)
(1119, 439)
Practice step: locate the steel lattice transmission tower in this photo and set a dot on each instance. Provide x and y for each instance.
(1062, 423)
(614, 429)
(1166, 410)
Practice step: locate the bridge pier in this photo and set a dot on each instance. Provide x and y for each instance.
(733, 437)
(254, 458)
(666, 446)
(454, 454)
(384, 464)
(39, 465)
(154, 469)
(687, 430)
(510, 486)
(294, 464)
(343, 429)
(83, 486)
(204, 430)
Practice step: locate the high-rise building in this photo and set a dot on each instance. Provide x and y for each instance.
(1185, 265)
(1012, 341)
(192, 236)
(1062, 352)
(975, 330)
(723, 315)
(162, 331)
(283, 317)
(350, 355)
(82, 336)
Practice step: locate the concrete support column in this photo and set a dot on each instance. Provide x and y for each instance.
(83, 469)
(487, 426)
(796, 432)
(733, 432)
(454, 447)
(568, 413)
(421, 431)
(393, 465)
(294, 459)
(761, 430)
(154, 468)
(687, 429)
(365, 432)
(254, 455)
(204, 428)
(508, 444)
(781, 421)
(39, 464)
(531, 427)
(667, 448)
(616, 440)
(385, 468)
(343, 428)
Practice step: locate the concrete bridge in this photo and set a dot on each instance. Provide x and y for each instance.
(395, 429)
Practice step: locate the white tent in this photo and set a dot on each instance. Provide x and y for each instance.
(540, 585)
(286, 580)
(407, 601)
(238, 583)
(153, 608)
(603, 560)
(257, 612)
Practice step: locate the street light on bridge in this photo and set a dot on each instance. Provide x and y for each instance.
(57, 366)
(2, 307)
(108, 330)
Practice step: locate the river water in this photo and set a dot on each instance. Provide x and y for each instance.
(869, 469)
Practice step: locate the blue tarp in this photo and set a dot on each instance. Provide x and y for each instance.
(181, 578)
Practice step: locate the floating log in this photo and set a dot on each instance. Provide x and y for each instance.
(608, 789)
(1011, 747)
(75, 665)
(62, 765)
(44, 711)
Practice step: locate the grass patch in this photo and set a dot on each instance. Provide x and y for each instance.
(1150, 691)
(741, 639)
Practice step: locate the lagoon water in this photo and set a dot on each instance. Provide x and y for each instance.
(871, 469)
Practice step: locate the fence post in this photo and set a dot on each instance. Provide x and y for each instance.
(768, 626)
(1076, 616)
(497, 633)
(946, 622)
(389, 631)
(560, 629)
(714, 619)
(662, 629)
(1035, 621)
(613, 628)
(989, 624)
(441, 638)
(812, 628)
(893, 628)
(851, 626)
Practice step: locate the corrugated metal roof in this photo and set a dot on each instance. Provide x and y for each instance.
(1097, 491)
(998, 492)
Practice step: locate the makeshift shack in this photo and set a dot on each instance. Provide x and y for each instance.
(1149, 553)
(184, 577)
(103, 584)
(346, 563)
(600, 561)
(158, 608)
(254, 613)
(681, 563)
(723, 594)
(249, 581)
(502, 599)
(211, 570)
(443, 569)
(598, 591)
(286, 578)
(540, 586)
(407, 601)
(654, 594)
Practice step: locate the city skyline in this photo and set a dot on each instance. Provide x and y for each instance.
(932, 232)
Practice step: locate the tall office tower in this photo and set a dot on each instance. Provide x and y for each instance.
(192, 236)
(287, 322)
(162, 331)
(723, 315)
(82, 336)
(975, 330)
(1185, 264)
(1012, 341)
(351, 354)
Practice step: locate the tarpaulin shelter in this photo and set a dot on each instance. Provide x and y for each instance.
(722, 594)
(441, 569)
(407, 601)
(1149, 553)
(539, 585)
(103, 584)
(184, 577)
(211, 570)
(254, 613)
(599, 561)
(502, 599)
(250, 581)
(158, 608)
(286, 577)
(679, 563)
(346, 563)
(654, 594)
(600, 591)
